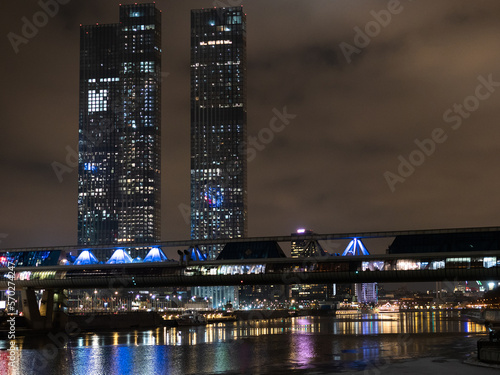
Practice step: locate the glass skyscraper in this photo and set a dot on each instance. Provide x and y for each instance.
(218, 134)
(218, 125)
(119, 129)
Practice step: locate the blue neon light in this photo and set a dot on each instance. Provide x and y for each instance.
(155, 255)
(355, 247)
(86, 257)
(119, 257)
(90, 167)
(213, 196)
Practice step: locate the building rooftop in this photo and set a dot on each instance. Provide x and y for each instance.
(445, 242)
(251, 250)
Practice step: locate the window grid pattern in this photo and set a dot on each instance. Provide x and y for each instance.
(119, 133)
(218, 125)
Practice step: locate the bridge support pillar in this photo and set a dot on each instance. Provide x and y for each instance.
(47, 305)
(60, 309)
(52, 311)
(30, 309)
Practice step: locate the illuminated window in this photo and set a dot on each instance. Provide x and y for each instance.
(89, 167)
(489, 262)
(214, 42)
(234, 20)
(97, 100)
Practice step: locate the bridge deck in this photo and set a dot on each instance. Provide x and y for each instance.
(373, 268)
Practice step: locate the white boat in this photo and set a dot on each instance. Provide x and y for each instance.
(191, 318)
(388, 308)
(353, 311)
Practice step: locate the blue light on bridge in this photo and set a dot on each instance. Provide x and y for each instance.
(355, 247)
(196, 254)
(119, 257)
(85, 258)
(155, 255)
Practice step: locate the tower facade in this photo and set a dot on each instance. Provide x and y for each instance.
(303, 247)
(218, 125)
(366, 292)
(218, 134)
(119, 129)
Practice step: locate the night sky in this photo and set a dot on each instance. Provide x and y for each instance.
(361, 105)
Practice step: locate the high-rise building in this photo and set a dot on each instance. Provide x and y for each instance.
(218, 125)
(218, 133)
(366, 292)
(119, 133)
(304, 247)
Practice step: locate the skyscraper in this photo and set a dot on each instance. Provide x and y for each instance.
(119, 129)
(303, 247)
(218, 125)
(365, 292)
(218, 133)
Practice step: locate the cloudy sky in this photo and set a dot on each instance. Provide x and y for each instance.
(371, 83)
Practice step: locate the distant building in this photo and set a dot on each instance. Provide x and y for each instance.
(119, 132)
(343, 292)
(254, 295)
(480, 239)
(218, 133)
(365, 292)
(304, 247)
(218, 125)
(251, 250)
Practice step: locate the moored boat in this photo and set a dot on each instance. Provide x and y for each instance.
(191, 318)
(388, 307)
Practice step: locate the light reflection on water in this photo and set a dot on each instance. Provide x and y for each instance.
(256, 347)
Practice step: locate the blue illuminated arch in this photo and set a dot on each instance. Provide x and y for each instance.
(355, 247)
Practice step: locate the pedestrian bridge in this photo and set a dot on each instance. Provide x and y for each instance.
(458, 266)
(55, 269)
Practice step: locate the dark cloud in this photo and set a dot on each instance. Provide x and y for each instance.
(325, 170)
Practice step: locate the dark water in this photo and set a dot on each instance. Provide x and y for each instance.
(357, 343)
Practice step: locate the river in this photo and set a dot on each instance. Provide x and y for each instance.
(410, 342)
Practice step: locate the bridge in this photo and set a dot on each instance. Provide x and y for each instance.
(47, 268)
(331, 269)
